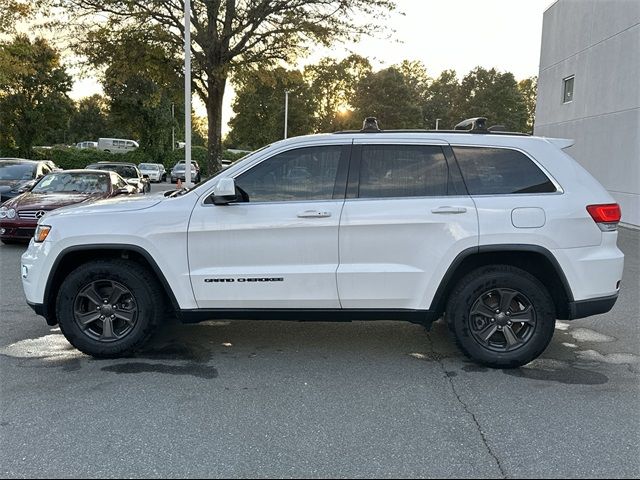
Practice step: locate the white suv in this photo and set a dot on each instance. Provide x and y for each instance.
(500, 233)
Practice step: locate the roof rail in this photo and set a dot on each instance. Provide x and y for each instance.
(470, 125)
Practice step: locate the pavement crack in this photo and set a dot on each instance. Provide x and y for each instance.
(466, 408)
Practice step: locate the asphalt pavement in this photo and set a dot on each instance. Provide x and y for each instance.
(283, 399)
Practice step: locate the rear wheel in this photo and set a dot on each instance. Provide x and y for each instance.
(501, 316)
(108, 308)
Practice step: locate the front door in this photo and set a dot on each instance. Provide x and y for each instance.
(279, 247)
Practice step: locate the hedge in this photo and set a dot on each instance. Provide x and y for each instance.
(71, 157)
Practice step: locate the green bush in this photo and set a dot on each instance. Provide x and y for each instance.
(69, 157)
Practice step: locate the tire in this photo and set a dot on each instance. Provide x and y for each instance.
(142, 306)
(483, 313)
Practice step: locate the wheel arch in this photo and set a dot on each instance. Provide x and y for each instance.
(72, 257)
(534, 259)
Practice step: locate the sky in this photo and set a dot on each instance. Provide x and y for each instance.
(443, 34)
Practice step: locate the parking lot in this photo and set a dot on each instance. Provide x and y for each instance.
(285, 399)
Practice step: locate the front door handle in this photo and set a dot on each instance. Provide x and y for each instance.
(449, 210)
(314, 214)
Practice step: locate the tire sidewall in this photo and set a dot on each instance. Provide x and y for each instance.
(478, 283)
(118, 272)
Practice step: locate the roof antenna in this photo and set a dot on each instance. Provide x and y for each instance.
(370, 125)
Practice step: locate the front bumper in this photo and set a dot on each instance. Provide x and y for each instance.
(17, 229)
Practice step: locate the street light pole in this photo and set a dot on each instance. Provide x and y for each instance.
(187, 93)
(173, 126)
(437, 122)
(286, 111)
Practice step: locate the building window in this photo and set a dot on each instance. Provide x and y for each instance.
(567, 89)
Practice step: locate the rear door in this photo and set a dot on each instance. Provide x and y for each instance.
(406, 217)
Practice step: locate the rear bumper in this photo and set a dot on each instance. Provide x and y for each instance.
(593, 306)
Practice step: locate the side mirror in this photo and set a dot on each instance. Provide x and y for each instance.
(145, 176)
(225, 192)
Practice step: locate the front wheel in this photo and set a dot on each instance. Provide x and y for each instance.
(501, 316)
(108, 308)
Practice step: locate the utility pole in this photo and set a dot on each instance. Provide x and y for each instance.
(187, 93)
(437, 122)
(173, 126)
(286, 111)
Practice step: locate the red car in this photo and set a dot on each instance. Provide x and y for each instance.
(19, 216)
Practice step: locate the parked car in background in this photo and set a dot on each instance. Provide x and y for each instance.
(19, 175)
(19, 216)
(128, 171)
(87, 145)
(117, 145)
(155, 171)
(179, 170)
(52, 165)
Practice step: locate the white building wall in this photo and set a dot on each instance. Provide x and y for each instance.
(598, 41)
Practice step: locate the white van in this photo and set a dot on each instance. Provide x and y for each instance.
(116, 145)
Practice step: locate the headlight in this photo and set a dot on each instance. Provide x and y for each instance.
(42, 232)
(3, 212)
(11, 213)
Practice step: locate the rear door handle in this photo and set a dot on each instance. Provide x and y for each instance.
(314, 214)
(449, 210)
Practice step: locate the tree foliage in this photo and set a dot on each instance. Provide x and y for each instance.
(495, 95)
(34, 106)
(259, 107)
(227, 35)
(333, 85)
(440, 101)
(529, 90)
(392, 96)
(89, 120)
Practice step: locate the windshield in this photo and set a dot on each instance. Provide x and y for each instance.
(125, 171)
(73, 182)
(17, 171)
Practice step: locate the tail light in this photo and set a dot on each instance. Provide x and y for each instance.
(607, 216)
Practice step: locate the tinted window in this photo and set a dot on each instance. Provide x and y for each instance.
(301, 174)
(489, 171)
(403, 171)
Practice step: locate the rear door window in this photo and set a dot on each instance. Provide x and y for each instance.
(403, 171)
(500, 171)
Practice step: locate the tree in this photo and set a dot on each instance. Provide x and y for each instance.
(440, 101)
(34, 105)
(391, 96)
(229, 35)
(89, 121)
(141, 83)
(529, 89)
(259, 107)
(495, 95)
(333, 85)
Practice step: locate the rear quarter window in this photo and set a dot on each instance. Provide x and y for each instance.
(496, 171)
